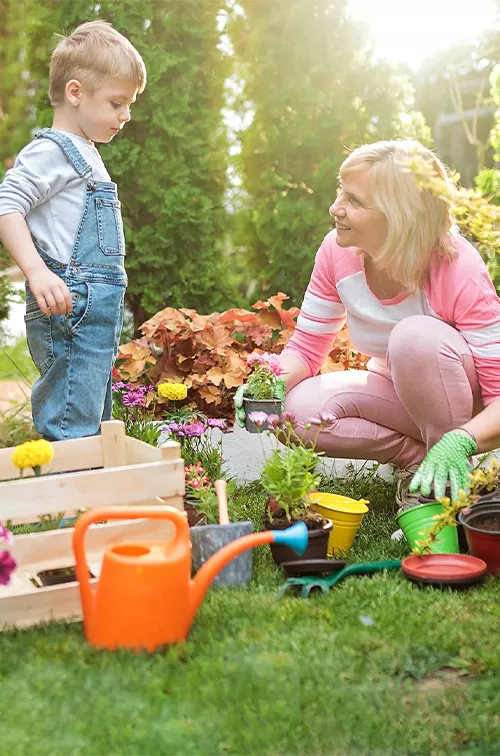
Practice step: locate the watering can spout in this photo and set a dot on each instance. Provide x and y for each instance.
(296, 537)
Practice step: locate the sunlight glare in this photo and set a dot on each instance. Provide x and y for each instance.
(410, 31)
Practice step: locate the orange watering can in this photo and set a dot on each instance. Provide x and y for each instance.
(145, 596)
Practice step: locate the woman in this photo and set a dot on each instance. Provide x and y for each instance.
(418, 299)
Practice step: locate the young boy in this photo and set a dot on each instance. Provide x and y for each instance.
(60, 220)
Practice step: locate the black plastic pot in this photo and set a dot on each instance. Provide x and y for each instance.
(59, 576)
(317, 546)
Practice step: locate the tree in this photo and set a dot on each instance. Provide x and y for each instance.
(170, 161)
(312, 89)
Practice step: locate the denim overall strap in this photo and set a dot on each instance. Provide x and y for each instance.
(72, 153)
(75, 352)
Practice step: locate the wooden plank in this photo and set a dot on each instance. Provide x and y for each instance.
(58, 602)
(139, 451)
(81, 490)
(37, 549)
(114, 451)
(174, 501)
(74, 454)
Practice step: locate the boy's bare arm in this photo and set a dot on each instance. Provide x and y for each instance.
(50, 291)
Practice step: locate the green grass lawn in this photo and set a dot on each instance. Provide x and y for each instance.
(262, 676)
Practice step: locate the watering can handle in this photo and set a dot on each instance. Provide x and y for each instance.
(118, 513)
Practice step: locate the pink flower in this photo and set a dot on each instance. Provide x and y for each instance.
(288, 417)
(7, 566)
(259, 418)
(6, 535)
(274, 421)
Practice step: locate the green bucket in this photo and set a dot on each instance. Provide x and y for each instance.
(417, 522)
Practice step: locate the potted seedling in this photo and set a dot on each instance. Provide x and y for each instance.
(478, 513)
(289, 477)
(214, 530)
(264, 390)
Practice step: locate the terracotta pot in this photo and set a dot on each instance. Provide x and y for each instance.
(482, 528)
(193, 516)
(316, 549)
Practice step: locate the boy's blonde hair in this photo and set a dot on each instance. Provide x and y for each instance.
(419, 221)
(92, 53)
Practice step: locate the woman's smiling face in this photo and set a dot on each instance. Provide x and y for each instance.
(358, 220)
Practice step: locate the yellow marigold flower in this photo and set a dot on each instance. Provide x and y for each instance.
(32, 454)
(173, 391)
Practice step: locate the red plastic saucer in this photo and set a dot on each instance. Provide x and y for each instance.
(444, 569)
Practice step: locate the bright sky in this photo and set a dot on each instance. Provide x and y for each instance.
(410, 30)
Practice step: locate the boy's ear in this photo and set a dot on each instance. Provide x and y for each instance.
(73, 91)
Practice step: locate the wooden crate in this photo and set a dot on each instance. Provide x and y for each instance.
(124, 471)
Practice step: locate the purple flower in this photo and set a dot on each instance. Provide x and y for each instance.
(6, 534)
(213, 422)
(120, 385)
(193, 430)
(7, 566)
(134, 398)
(258, 418)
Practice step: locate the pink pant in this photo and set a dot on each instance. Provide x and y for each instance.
(432, 387)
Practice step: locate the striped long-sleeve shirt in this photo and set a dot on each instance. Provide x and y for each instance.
(459, 293)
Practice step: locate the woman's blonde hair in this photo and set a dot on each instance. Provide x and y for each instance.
(92, 53)
(420, 221)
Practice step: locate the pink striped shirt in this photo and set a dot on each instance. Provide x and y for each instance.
(459, 293)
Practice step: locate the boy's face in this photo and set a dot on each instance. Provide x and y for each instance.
(102, 114)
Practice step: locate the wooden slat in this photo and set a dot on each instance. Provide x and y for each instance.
(174, 501)
(114, 451)
(41, 605)
(75, 454)
(119, 485)
(37, 549)
(139, 451)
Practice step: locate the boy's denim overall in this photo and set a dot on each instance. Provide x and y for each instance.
(74, 353)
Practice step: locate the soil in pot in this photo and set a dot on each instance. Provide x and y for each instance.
(58, 576)
(319, 529)
(193, 516)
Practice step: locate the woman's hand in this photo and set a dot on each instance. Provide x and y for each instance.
(447, 460)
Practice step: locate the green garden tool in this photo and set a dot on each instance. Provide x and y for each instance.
(325, 583)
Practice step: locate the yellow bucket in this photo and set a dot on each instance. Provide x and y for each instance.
(346, 515)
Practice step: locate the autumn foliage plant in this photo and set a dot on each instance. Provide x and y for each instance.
(208, 353)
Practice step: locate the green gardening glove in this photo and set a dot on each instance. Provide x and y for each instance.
(446, 460)
(240, 414)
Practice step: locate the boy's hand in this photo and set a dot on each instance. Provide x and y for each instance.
(50, 291)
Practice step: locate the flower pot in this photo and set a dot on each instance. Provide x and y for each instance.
(207, 539)
(316, 548)
(482, 528)
(462, 539)
(193, 516)
(59, 576)
(417, 522)
(346, 515)
(269, 406)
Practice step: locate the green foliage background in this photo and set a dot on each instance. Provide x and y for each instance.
(217, 214)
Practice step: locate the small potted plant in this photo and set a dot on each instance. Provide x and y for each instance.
(478, 512)
(196, 480)
(264, 389)
(289, 477)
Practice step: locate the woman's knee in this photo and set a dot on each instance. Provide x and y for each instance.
(415, 337)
